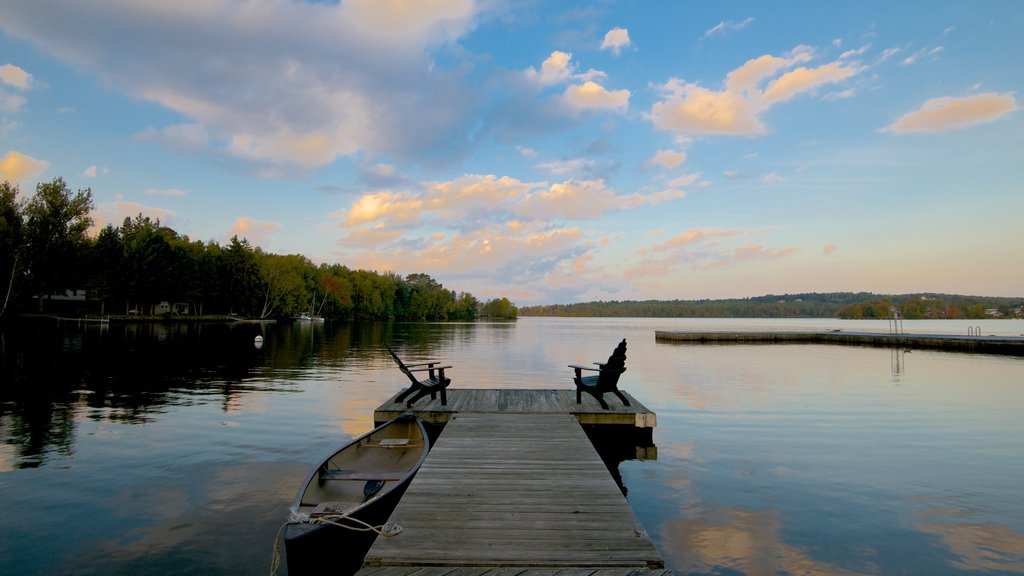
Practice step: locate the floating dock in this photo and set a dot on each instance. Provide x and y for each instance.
(1011, 345)
(513, 486)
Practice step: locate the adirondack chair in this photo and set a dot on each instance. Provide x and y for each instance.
(434, 383)
(606, 380)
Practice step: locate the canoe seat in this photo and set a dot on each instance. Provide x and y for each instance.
(606, 380)
(342, 474)
(389, 443)
(435, 381)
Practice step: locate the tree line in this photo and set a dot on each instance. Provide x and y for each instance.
(45, 249)
(846, 305)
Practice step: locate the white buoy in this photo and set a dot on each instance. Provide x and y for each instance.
(258, 342)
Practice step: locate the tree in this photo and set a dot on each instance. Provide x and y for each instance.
(11, 241)
(500, 308)
(284, 283)
(56, 222)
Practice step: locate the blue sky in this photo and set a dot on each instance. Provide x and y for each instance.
(549, 152)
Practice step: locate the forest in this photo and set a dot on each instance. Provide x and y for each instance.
(142, 268)
(846, 305)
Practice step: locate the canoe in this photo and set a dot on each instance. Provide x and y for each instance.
(358, 485)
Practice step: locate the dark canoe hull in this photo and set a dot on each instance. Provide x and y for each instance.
(310, 546)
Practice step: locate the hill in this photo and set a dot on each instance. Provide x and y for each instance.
(847, 305)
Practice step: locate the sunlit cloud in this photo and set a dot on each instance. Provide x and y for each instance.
(947, 113)
(701, 249)
(724, 28)
(16, 167)
(114, 213)
(255, 231)
(668, 159)
(15, 77)
(616, 40)
(556, 68)
(592, 96)
(829, 249)
(95, 171)
(749, 91)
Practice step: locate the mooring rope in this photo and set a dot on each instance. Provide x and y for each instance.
(386, 530)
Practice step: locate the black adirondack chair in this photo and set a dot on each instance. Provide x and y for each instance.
(606, 380)
(434, 383)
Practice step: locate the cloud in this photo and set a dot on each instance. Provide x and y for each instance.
(691, 108)
(292, 85)
(829, 249)
(702, 249)
(724, 28)
(948, 113)
(804, 79)
(667, 159)
(94, 171)
(255, 231)
(556, 68)
(592, 96)
(16, 167)
(114, 214)
(166, 192)
(615, 40)
(749, 91)
(572, 167)
(15, 77)
(771, 178)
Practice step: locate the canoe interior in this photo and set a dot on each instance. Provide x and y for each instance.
(389, 453)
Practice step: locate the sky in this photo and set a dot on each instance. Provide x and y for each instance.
(545, 151)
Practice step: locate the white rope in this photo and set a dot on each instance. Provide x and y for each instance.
(386, 530)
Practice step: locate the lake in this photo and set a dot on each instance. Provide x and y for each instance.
(177, 448)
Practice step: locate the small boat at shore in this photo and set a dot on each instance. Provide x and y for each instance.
(345, 499)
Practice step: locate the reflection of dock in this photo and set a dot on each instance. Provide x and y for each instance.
(1012, 345)
(513, 485)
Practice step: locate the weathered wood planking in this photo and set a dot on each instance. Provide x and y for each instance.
(512, 401)
(514, 490)
(481, 571)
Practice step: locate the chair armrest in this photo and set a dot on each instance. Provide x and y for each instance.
(430, 363)
(578, 367)
(431, 369)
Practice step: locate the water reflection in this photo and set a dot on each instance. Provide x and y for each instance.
(152, 443)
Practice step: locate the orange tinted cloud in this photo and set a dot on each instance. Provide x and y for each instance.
(945, 114)
(16, 167)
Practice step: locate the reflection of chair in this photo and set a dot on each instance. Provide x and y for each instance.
(606, 380)
(434, 383)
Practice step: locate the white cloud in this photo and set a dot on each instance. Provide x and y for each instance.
(723, 28)
(286, 84)
(114, 213)
(616, 40)
(947, 113)
(16, 167)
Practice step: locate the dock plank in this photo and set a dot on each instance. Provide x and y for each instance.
(512, 401)
(514, 491)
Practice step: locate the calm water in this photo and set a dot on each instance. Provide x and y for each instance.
(153, 449)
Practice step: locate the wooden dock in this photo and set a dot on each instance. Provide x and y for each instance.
(507, 401)
(512, 494)
(1011, 345)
